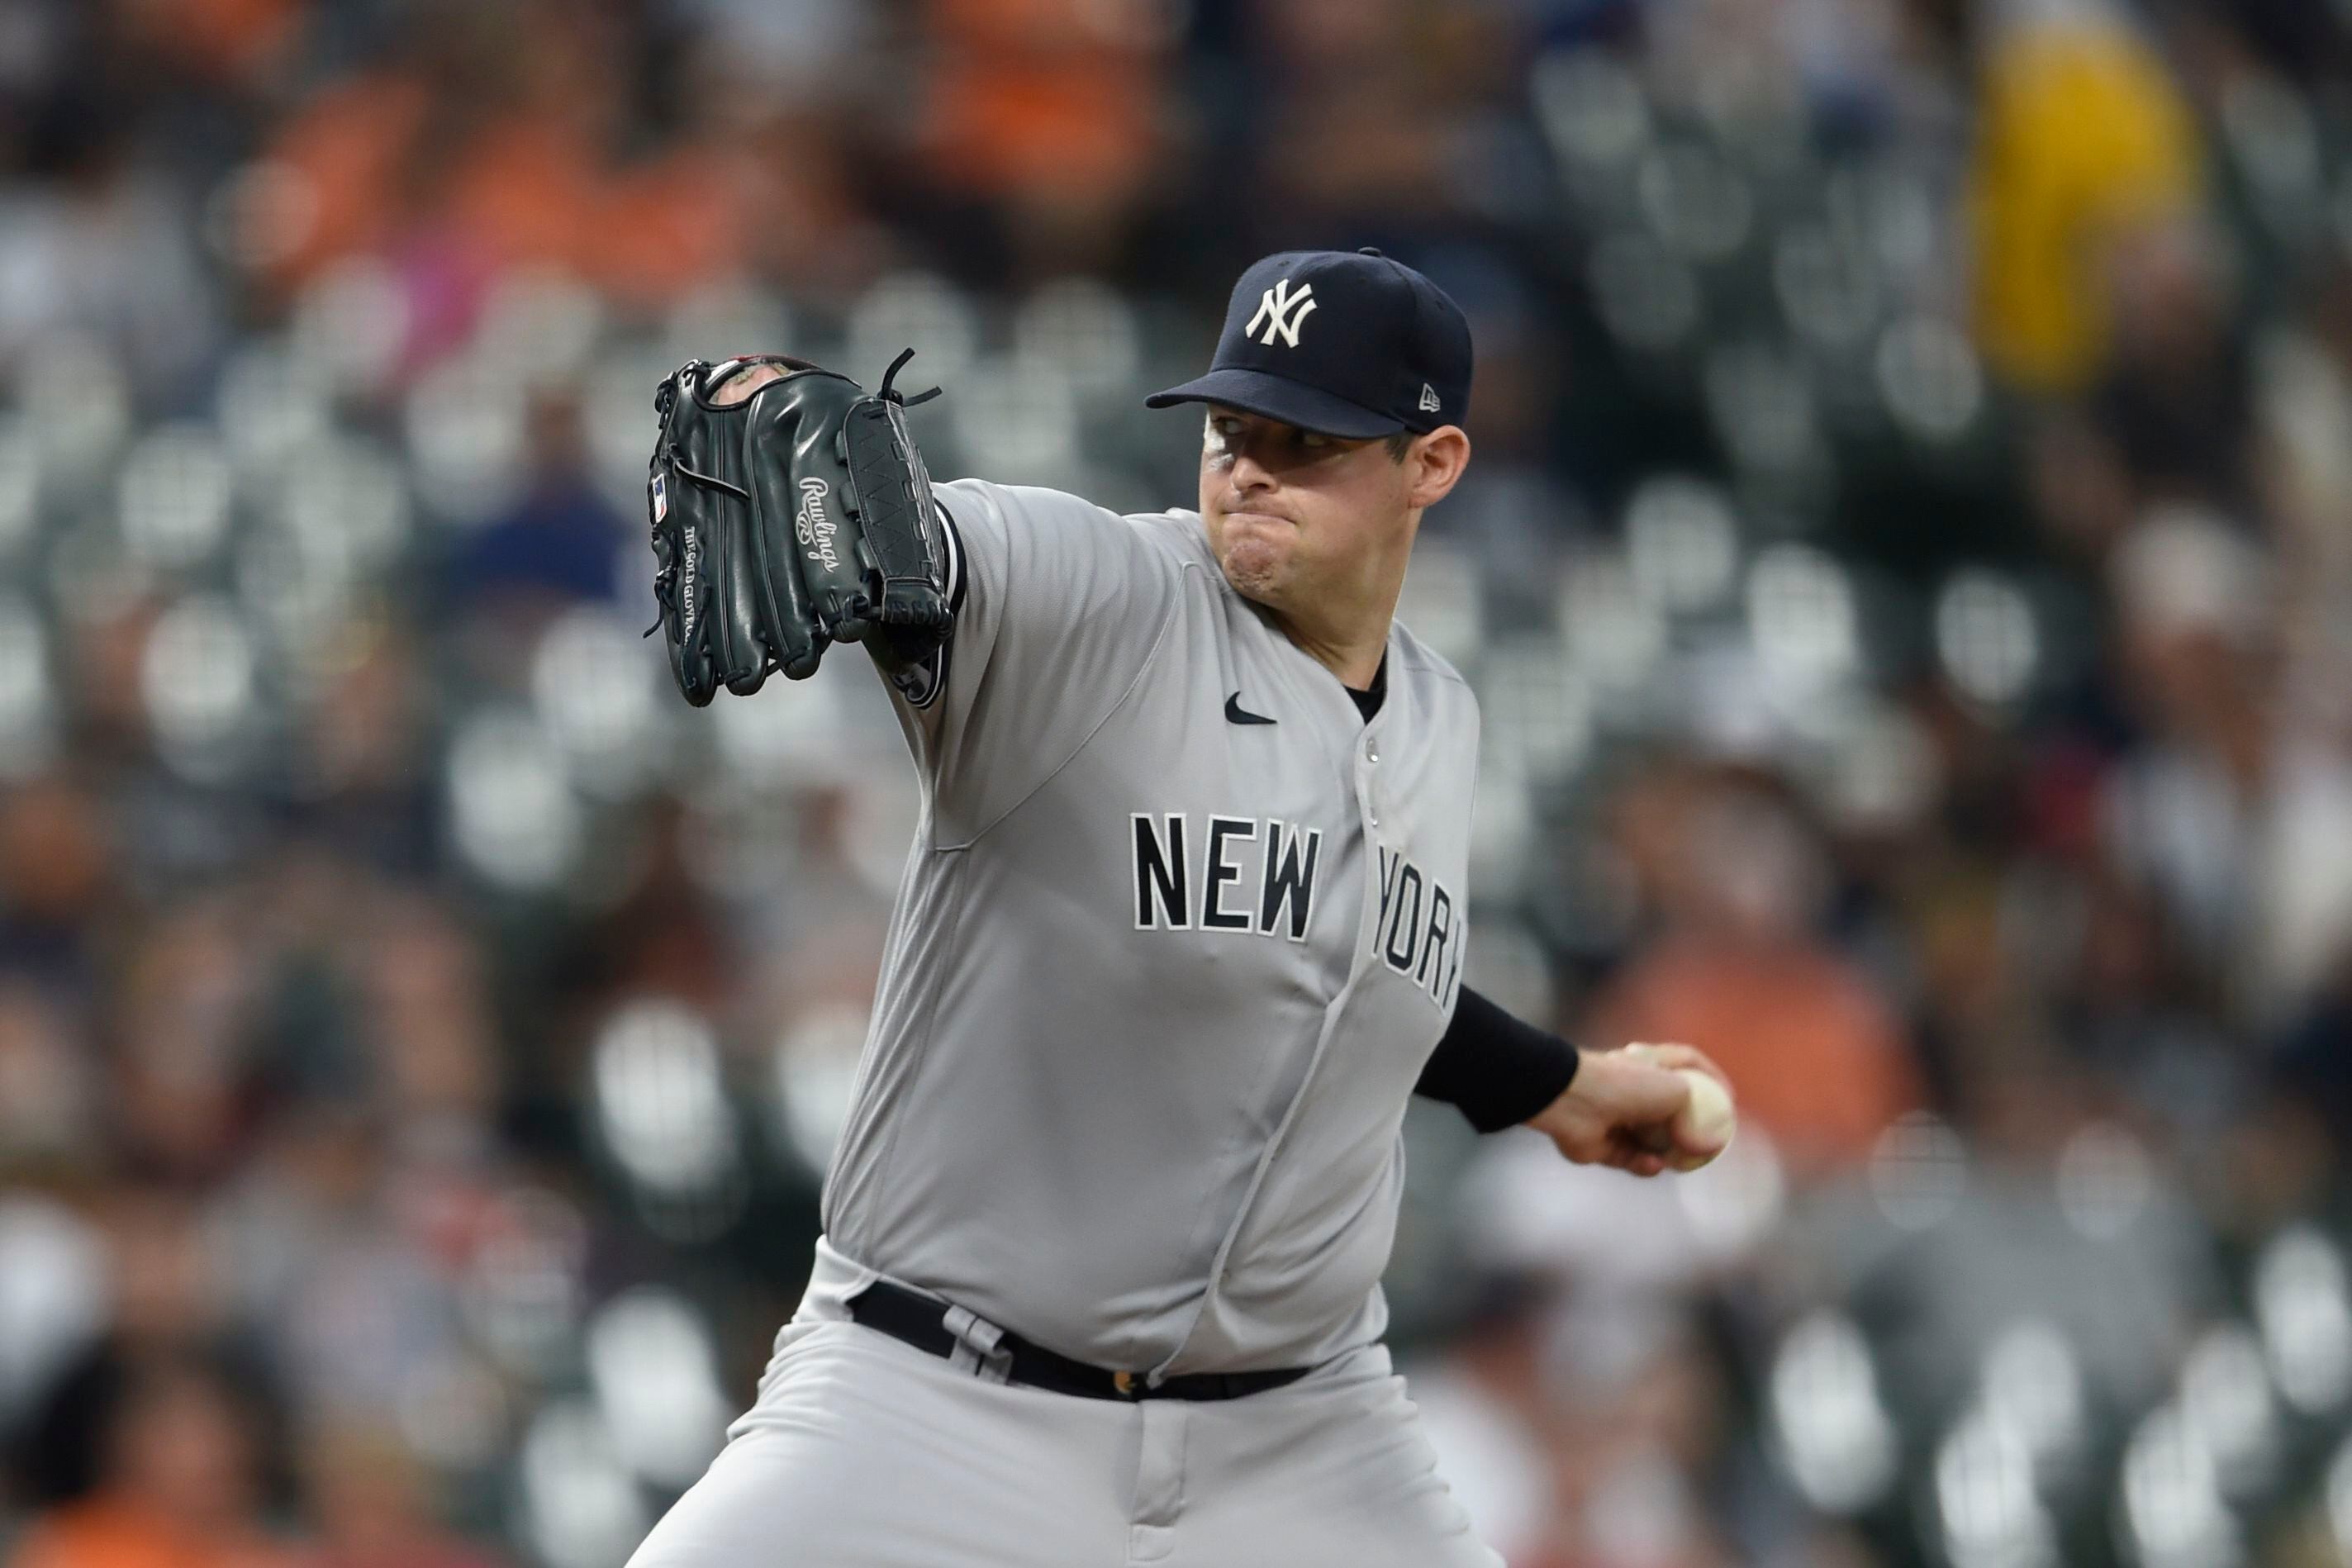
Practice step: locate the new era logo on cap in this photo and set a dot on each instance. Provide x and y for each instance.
(1390, 353)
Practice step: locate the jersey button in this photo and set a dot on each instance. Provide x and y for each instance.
(1373, 817)
(1370, 756)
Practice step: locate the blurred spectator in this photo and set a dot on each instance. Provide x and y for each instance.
(363, 770)
(495, 141)
(221, 38)
(105, 247)
(434, 1048)
(559, 543)
(336, 168)
(56, 870)
(47, 1120)
(1383, 110)
(2174, 399)
(2083, 139)
(371, 1506)
(1050, 111)
(186, 1086)
(2240, 820)
(1814, 1053)
(346, 1303)
(178, 1483)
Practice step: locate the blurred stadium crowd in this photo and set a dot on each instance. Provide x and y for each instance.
(1907, 570)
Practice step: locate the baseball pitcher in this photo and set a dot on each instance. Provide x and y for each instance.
(1181, 930)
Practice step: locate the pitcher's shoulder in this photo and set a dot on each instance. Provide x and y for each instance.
(1052, 533)
(1180, 532)
(1416, 661)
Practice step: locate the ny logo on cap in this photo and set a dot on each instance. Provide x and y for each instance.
(1282, 312)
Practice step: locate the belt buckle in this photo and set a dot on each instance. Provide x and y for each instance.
(1128, 1385)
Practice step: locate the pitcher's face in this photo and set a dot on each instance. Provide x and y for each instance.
(1296, 518)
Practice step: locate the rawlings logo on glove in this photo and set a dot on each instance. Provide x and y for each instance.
(815, 530)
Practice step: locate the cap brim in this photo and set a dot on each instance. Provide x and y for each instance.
(1272, 397)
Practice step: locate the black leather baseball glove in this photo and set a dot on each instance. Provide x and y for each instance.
(791, 511)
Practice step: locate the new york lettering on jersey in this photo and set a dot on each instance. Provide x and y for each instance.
(1412, 947)
(1237, 855)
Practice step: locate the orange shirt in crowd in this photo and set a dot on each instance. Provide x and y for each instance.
(672, 222)
(520, 192)
(347, 150)
(108, 1532)
(1046, 98)
(1813, 1054)
(230, 38)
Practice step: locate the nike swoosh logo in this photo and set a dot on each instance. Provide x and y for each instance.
(1237, 714)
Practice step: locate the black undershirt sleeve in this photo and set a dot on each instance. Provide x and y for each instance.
(1494, 1069)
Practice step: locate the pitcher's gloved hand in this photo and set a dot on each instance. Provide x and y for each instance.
(790, 511)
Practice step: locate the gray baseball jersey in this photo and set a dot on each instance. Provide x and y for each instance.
(1178, 933)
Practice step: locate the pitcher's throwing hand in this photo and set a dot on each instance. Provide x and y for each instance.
(1633, 1110)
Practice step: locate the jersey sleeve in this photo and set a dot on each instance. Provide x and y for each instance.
(1058, 604)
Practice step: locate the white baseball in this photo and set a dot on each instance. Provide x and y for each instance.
(1707, 1118)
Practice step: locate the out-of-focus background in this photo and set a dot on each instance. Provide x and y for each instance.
(1907, 569)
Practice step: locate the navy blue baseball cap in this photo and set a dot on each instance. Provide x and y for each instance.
(1344, 342)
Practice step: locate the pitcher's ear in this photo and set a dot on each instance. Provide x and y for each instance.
(1437, 460)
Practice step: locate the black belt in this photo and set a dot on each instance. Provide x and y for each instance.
(920, 1322)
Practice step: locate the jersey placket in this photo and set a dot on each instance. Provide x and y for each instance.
(1366, 753)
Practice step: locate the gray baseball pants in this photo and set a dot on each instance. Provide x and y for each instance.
(863, 1452)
